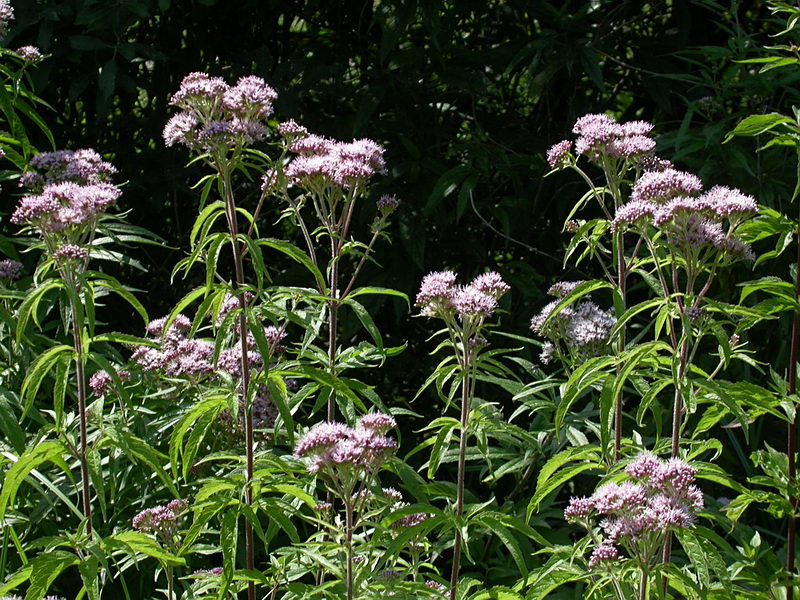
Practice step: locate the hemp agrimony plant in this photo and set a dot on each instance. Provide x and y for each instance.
(347, 460)
(464, 311)
(163, 522)
(329, 178)
(659, 498)
(218, 123)
(69, 194)
(677, 240)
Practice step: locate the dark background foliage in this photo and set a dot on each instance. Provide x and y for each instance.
(466, 96)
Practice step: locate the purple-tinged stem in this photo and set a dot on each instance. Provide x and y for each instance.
(621, 286)
(791, 436)
(348, 507)
(238, 284)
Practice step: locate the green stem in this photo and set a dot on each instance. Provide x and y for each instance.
(462, 452)
(170, 591)
(80, 375)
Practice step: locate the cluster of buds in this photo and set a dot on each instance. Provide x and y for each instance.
(175, 354)
(10, 269)
(600, 135)
(583, 328)
(101, 382)
(660, 497)
(320, 162)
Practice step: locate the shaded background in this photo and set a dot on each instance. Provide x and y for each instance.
(465, 95)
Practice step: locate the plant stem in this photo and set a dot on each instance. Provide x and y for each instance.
(643, 588)
(80, 375)
(170, 592)
(791, 433)
(238, 284)
(677, 405)
(333, 312)
(621, 287)
(462, 452)
(348, 507)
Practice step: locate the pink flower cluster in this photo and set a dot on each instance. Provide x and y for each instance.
(668, 199)
(583, 327)
(660, 498)
(216, 115)
(175, 354)
(600, 134)
(323, 161)
(439, 295)
(101, 381)
(82, 167)
(29, 53)
(337, 447)
(10, 269)
(63, 206)
(6, 16)
(161, 520)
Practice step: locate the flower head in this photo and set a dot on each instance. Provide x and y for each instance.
(600, 134)
(10, 269)
(558, 153)
(29, 53)
(660, 186)
(6, 16)
(491, 284)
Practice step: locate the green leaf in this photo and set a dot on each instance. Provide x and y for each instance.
(494, 523)
(45, 569)
(758, 124)
(137, 449)
(551, 476)
(381, 291)
(295, 254)
(497, 593)
(279, 394)
(48, 450)
(135, 543)
(588, 374)
(89, 571)
(30, 305)
(228, 535)
(366, 321)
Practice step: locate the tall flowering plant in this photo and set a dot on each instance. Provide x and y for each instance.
(465, 310)
(218, 122)
(660, 227)
(681, 240)
(629, 521)
(69, 194)
(616, 148)
(326, 181)
(347, 460)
